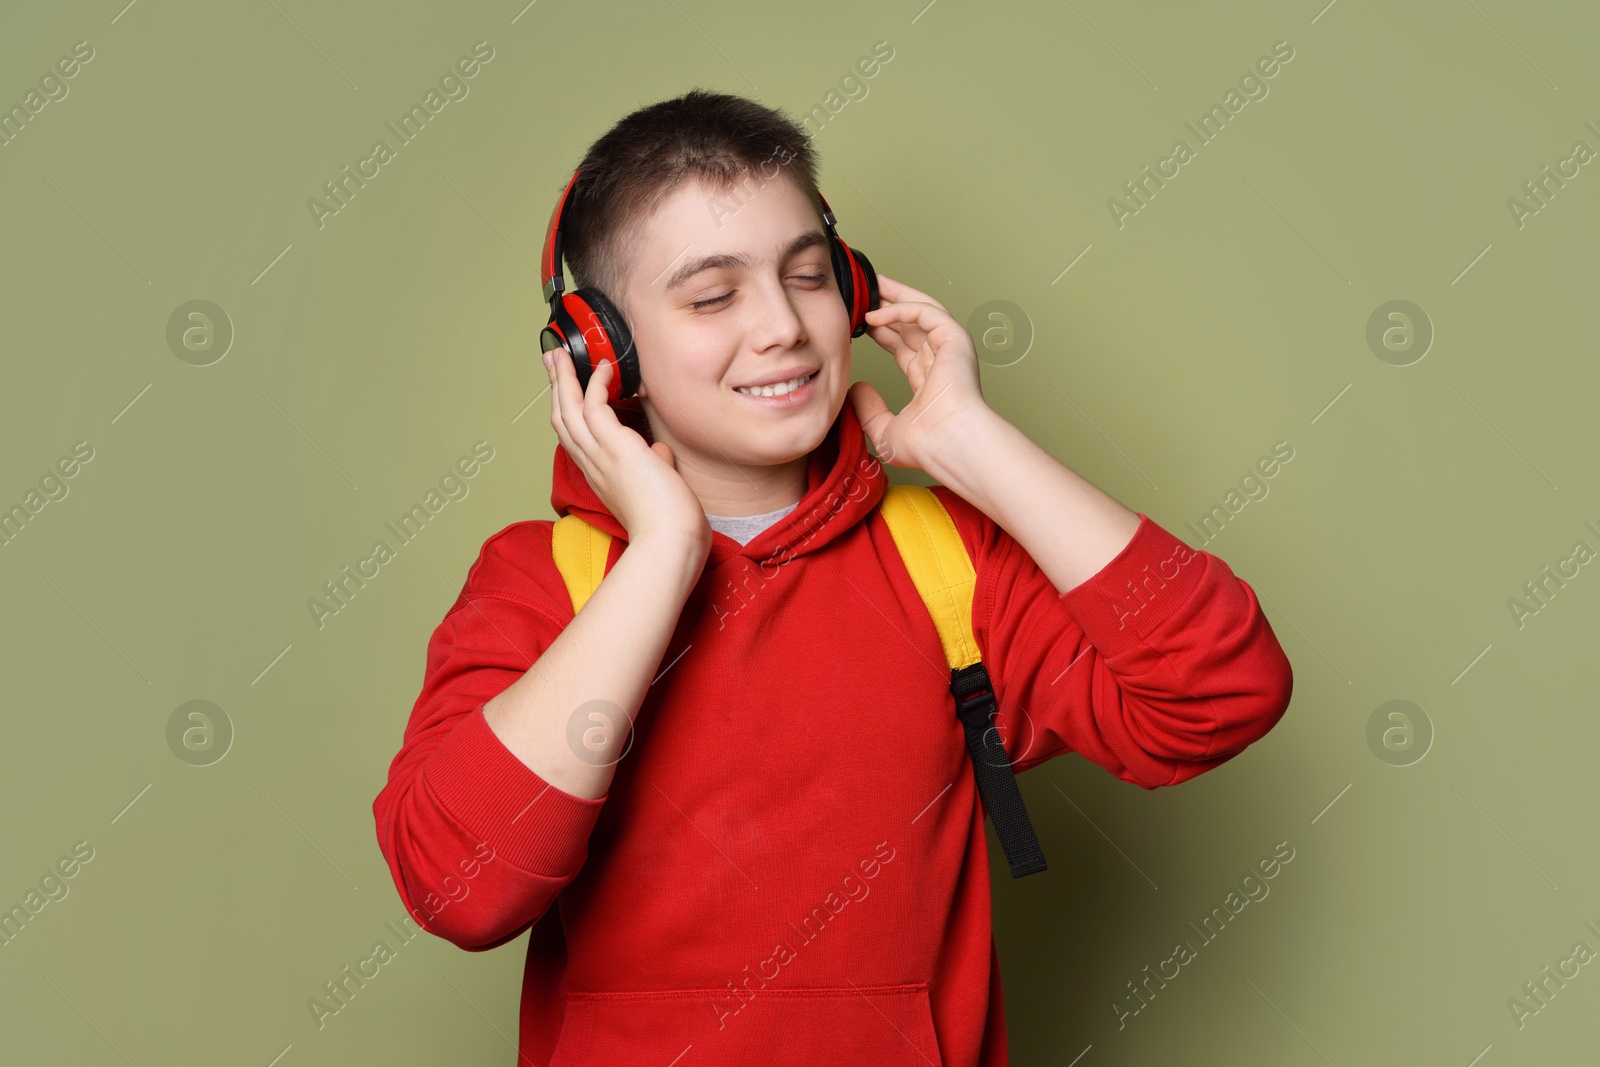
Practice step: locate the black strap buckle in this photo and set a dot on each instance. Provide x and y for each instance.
(991, 765)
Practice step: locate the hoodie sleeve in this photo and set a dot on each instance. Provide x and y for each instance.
(1158, 668)
(478, 844)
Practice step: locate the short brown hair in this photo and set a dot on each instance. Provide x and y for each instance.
(625, 175)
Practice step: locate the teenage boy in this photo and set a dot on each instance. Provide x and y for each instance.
(730, 796)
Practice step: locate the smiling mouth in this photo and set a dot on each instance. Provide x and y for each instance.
(780, 389)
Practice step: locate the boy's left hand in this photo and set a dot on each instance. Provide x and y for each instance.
(937, 356)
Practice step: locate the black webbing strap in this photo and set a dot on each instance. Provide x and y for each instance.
(997, 781)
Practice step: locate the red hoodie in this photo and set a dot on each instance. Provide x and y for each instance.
(791, 866)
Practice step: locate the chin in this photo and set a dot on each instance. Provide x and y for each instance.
(784, 442)
(784, 447)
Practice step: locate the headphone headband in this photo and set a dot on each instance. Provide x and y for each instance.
(551, 279)
(828, 221)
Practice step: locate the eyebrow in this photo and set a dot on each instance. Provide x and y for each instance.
(728, 261)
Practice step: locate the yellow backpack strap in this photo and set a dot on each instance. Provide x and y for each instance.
(580, 551)
(937, 560)
(932, 550)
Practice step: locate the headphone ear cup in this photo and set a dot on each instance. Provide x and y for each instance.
(595, 333)
(565, 329)
(870, 277)
(626, 383)
(845, 273)
(858, 284)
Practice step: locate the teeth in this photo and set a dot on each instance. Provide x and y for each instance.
(777, 390)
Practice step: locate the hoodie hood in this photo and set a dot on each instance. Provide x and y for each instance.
(844, 482)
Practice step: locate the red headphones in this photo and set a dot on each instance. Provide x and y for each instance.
(592, 329)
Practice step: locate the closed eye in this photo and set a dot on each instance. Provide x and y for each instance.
(815, 279)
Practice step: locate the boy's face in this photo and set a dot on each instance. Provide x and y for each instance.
(758, 267)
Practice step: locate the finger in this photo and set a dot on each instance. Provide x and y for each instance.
(571, 400)
(915, 320)
(891, 341)
(898, 292)
(611, 437)
(889, 288)
(598, 415)
(921, 312)
(870, 409)
(551, 365)
(907, 320)
(915, 363)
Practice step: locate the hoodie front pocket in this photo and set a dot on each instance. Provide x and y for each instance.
(884, 1025)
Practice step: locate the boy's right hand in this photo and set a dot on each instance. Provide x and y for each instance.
(639, 482)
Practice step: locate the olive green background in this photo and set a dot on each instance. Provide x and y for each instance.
(1230, 313)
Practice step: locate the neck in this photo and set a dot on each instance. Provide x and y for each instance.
(727, 490)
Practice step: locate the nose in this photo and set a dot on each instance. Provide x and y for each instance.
(776, 323)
